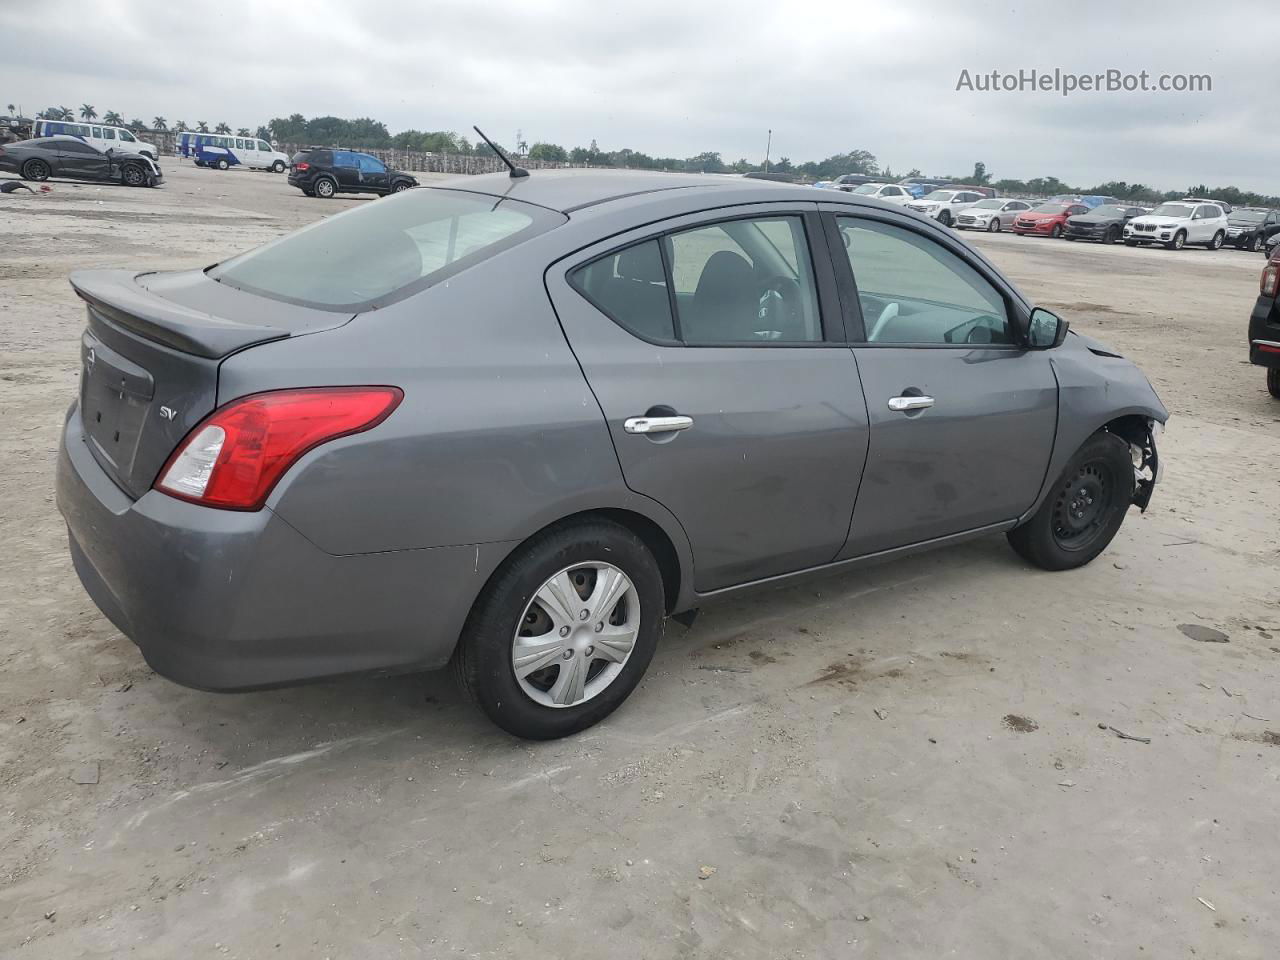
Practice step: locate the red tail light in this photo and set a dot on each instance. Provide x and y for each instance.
(234, 457)
(1270, 279)
(302, 166)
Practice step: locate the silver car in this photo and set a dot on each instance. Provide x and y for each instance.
(992, 215)
(515, 424)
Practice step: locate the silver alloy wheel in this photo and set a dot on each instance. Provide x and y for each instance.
(576, 634)
(324, 188)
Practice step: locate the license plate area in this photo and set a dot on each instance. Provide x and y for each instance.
(115, 396)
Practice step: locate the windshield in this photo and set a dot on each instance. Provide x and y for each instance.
(989, 204)
(127, 136)
(1248, 216)
(384, 250)
(868, 188)
(1171, 210)
(1050, 208)
(1108, 210)
(941, 195)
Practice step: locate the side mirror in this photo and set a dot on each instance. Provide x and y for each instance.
(1046, 330)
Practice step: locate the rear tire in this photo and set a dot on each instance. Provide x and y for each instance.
(1273, 381)
(278, 167)
(324, 188)
(510, 610)
(1084, 509)
(36, 170)
(223, 164)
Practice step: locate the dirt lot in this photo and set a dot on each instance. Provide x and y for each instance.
(902, 762)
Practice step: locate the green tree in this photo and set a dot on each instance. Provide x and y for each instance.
(12, 109)
(549, 153)
(202, 126)
(66, 113)
(159, 124)
(242, 132)
(137, 124)
(181, 126)
(87, 112)
(264, 133)
(222, 128)
(980, 176)
(113, 118)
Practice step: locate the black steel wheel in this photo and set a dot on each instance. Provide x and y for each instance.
(1084, 509)
(133, 175)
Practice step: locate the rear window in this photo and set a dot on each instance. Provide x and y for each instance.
(386, 250)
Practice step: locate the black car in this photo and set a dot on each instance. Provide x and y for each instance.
(322, 172)
(1103, 224)
(1264, 324)
(1252, 228)
(72, 159)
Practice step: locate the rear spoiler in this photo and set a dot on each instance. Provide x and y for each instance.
(116, 295)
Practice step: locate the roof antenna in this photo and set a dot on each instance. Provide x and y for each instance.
(516, 172)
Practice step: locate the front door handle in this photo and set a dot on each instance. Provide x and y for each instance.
(656, 424)
(907, 404)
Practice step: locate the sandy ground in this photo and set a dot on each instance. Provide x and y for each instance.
(900, 762)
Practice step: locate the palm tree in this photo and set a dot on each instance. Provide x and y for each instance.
(242, 132)
(87, 112)
(112, 118)
(202, 126)
(159, 124)
(180, 126)
(222, 128)
(137, 124)
(66, 113)
(12, 108)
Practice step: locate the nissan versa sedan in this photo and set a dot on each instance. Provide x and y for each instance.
(513, 425)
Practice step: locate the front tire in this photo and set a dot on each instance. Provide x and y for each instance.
(36, 170)
(1056, 232)
(134, 176)
(994, 225)
(1273, 381)
(400, 187)
(1178, 242)
(944, 218)
(325, 188)
(564, 631)
(1216, 242)
(1113, 234)
(1131, 243)
(1083, 511)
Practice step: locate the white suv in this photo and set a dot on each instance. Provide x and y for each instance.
(1179, 222)
(889, 192)
(945, 205)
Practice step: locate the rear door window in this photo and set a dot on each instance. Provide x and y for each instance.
(630, 287)
(744, 281)
(379, 253)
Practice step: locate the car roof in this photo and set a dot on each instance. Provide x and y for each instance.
(569, 190)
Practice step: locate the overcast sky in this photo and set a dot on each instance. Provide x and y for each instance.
(677, 78)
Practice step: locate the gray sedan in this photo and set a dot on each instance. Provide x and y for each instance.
(515, 424)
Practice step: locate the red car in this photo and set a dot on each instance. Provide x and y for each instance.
(1048, 219)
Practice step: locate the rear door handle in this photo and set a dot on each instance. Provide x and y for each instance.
(905, 404)
(656, 424)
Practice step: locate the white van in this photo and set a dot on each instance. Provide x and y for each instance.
(223, 151)
(101, 135)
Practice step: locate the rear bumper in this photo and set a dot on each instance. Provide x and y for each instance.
(1264, 333)
(225, 600)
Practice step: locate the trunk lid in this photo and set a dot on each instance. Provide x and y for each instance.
(150, 355)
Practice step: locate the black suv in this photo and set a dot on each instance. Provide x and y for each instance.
(1264, 325)
(1250, 228)
(322, 172)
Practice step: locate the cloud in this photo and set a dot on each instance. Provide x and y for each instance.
(676, 78)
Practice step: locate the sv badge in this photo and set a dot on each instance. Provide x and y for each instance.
(168, 413)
